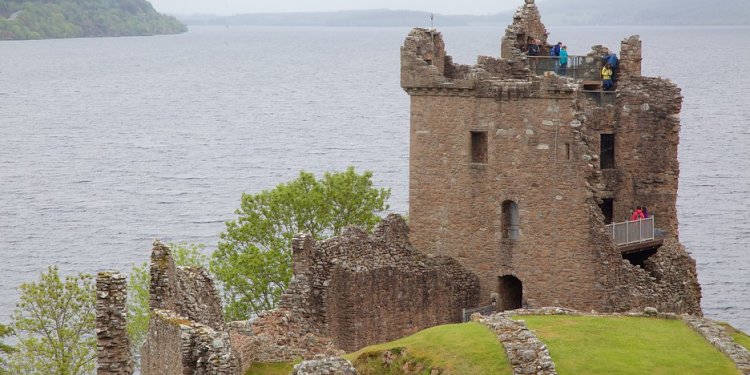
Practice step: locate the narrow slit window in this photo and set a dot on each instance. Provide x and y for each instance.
(607, 207)
(479, 147)
(607, 155)
(510, 220)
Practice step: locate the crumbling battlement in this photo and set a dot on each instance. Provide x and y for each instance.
(527, 23)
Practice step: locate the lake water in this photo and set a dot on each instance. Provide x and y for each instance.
(107, 144)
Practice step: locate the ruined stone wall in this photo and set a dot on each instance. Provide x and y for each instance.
(668, 282)
(113, 345)
(527, 22)
(186, 333)
(188, 291)
(362, 289)
(178, 346)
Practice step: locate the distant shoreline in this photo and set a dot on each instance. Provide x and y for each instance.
(405, 18)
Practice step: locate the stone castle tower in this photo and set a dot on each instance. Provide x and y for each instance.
(516, 170)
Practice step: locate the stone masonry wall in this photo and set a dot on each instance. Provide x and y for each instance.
(178, 346)
(361, 289)
(113, 345)
(186, 332)
(188, 291)
(527, 22)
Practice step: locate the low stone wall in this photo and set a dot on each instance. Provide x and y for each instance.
(113, 345)
(328, 366)
(526, 353)
(718, 337)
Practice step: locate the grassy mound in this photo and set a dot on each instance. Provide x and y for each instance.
(468, 348)
(627, 345)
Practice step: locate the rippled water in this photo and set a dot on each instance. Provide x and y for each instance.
(107, 144)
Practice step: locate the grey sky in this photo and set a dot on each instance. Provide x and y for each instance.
(227, 7)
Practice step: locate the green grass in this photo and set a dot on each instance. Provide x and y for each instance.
(627, 345)
(739, 337)
(468, 348)
(270, 369)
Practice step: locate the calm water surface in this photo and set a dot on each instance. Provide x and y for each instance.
(107, 144)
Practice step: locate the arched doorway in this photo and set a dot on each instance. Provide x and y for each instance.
(510, 290)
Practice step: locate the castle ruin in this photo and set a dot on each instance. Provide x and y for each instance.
(522, 177)
(516, 171)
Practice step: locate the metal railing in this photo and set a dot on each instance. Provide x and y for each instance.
(630, 232)
(484, 310)
(579, 67)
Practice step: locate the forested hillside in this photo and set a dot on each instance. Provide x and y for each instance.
(41, 19)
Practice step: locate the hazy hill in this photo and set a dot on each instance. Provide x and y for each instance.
(646, 12)
(554, 12)
(38, 19)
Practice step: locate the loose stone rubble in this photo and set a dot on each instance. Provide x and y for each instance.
(327, 366)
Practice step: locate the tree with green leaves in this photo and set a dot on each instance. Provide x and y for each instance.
(253, 259)
(5, 349)
(184, 254)
(55, 324)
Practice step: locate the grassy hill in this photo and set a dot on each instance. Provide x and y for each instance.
(41, 19)
(577, 344)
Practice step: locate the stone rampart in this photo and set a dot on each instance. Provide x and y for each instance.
(113, 346)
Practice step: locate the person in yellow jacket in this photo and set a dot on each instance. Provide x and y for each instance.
(607, 77)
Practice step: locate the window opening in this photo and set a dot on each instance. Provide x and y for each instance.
(607, 155)
(510, 220)
(479, 147)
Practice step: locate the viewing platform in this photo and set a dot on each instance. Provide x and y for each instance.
(635, 235)
(586, 69)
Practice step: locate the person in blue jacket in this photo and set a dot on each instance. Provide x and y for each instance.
(613, 61)
(563, 68)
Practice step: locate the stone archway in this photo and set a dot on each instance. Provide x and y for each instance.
(510, 291)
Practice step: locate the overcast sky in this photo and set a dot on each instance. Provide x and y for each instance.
(228, 7)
